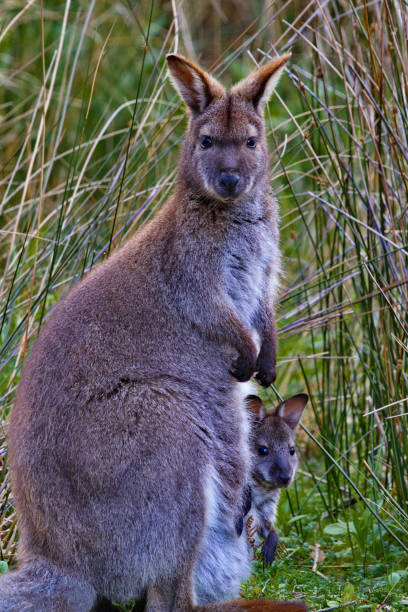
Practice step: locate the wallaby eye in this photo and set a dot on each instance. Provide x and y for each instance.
(206, 142)
(292, 450)
(251, 143)
(262, 450)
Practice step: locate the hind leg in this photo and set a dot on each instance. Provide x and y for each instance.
(41, 587)
(170, 596)
(104, 605)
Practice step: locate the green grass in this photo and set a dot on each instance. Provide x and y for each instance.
(329, 563)
(90, 130)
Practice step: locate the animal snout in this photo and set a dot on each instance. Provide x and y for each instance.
(284, 478)
(229, 180)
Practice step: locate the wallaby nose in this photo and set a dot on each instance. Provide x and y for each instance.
(229, 180)
(284, 478)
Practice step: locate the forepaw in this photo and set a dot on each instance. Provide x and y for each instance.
(266, 374)
(243, 368)
(266, 363)
(269, 547)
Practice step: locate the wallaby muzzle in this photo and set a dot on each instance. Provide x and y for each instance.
(228, 184)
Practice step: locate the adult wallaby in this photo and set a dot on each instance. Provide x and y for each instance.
(274, 465)
(129, 403)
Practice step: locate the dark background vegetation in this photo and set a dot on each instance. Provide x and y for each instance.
(89, 134)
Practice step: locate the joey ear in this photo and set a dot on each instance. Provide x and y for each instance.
(256, 407)
(258, 86)
(196, 87)
(291, 409)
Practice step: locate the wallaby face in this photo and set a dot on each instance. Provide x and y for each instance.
(275, 461)
(129, 403)
(225, 152)
(273, 442)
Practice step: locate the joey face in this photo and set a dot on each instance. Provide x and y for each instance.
(274, 450)
(225, 154)
(275, 459)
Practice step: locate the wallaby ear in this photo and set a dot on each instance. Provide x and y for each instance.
(256, 407)
(196, 87)
(258, 86)
(291, 409)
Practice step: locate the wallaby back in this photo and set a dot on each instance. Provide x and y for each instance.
(128, 406)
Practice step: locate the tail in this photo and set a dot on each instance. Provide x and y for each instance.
(41, 587)
(260, 605)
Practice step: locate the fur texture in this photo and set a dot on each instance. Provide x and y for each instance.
(129, 404)
(275, 462)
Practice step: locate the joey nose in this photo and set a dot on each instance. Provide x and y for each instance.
(229, 180)
(284, 478)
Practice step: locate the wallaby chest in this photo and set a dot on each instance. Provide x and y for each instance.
(248, 265)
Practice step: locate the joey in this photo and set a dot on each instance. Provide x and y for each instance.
(275, 462)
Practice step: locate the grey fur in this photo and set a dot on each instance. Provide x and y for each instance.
(129, 406)
(277, 468)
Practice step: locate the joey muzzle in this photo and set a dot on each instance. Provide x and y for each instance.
(281, 473)
(284, 479)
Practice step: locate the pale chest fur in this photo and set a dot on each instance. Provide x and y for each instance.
(264, 507)
(251, 267)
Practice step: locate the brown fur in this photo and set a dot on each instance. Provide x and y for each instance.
(128, 406)
(275, 462)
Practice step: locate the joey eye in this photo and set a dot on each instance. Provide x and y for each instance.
(262, 450)
(292, 450)
(251, 143)
(206, 142)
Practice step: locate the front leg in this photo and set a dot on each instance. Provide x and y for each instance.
(266, 362)
(227, 328)
(244, 365)
(215, 320)
(200, 294)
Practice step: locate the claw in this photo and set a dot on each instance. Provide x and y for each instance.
(266, 376)
(242, 369)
